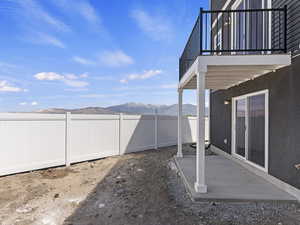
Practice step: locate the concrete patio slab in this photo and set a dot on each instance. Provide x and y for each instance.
(228, 181)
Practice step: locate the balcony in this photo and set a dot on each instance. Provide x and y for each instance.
(235, 32)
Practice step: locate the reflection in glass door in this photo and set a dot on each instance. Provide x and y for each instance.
(250, 128)
(240, 127)
(256, 129)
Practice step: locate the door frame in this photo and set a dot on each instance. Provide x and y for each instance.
(233, 128)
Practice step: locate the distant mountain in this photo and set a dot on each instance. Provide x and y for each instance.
(139, 108)
(130, 108)
(87, 110)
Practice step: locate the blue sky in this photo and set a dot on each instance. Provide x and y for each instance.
(67, 53)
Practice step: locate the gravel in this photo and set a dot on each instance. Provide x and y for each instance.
(142, 188)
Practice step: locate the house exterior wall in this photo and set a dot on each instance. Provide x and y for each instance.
(284, 119)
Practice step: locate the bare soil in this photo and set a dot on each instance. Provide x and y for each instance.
(141, 188)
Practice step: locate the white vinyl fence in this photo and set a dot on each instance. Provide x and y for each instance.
(33, 141)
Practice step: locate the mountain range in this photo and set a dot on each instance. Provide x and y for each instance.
(129, 108)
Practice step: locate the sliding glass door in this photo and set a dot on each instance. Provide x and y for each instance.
(250, 128)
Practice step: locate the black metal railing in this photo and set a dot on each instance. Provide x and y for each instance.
(240, 31)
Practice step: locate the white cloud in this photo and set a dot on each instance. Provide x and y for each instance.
(48, 76)
(83, 61)
(34, 103)
(76, 83)
(115, 58)
(35, 14)
(88, 12)
(71, 80)
(142, 76)
(169, 86)
(23, 103)
(156, 27)
(6, 87)
(42, 38)
(103, 95)
(81, 7)
(84, 75)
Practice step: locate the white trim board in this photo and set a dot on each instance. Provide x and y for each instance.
(275, 181)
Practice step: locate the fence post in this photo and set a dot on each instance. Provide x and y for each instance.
(68, 139)
(156, 128)
(120, 133)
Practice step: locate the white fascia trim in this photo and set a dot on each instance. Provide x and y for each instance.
(189, 74)
(245, 60)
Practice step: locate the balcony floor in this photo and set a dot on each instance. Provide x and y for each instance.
(228, 181)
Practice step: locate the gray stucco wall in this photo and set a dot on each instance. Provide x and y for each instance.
(284, 119)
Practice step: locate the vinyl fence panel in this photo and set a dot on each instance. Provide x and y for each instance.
(137, 133)
(93, 136)
(31, 141)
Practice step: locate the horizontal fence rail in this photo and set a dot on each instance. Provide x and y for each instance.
(32, 141)
(240, 31)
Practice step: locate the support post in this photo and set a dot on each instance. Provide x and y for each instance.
(156, 128)
(68, 140)
(200, 185)
(179, 138)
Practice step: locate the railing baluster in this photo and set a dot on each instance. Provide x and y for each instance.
(222, 32)
(228, 30)
(211, 31)
(206, 35)
(279, 30)
(256, 31)
(200, 31)
(240, 30)
(245, 33)
(285, 29)
(217, 33)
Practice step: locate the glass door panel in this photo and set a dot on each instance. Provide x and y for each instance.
(256, 129)
(240, 127)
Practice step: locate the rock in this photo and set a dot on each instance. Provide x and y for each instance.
(101, 205)
(56, 195)
(24, 209)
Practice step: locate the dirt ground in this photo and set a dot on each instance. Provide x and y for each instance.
(141, 188)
